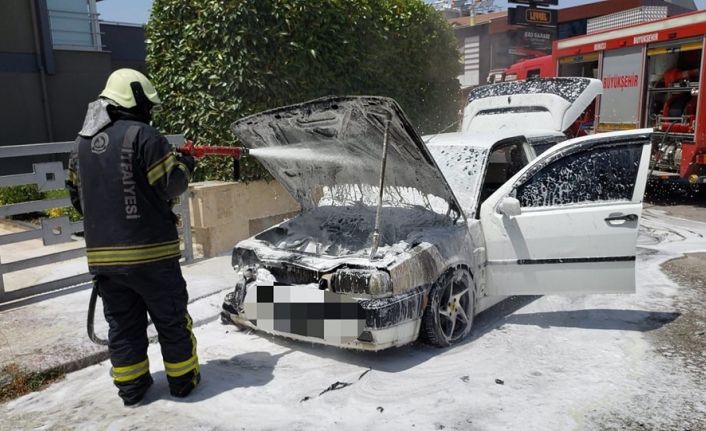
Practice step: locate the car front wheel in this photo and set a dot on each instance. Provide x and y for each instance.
(448, 317)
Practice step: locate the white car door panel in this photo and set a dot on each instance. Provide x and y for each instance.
(576, 230)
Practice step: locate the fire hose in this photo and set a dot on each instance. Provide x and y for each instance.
(91, 318)
(92, 312)
(195, 151)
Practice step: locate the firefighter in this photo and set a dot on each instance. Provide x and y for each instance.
(124, 178)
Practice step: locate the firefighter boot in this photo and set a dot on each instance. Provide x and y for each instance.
(183, 387)
(133, 392)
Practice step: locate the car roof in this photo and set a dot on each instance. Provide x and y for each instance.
(483, 140)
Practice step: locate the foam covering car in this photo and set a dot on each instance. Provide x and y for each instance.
(400, 239)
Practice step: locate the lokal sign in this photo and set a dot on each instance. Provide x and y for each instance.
(538, 38)
(522, 15)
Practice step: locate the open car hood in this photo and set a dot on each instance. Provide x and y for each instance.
(553, 103)
(336, 141)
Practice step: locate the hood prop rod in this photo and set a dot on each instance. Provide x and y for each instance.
(376, 232)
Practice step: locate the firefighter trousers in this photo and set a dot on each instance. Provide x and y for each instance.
(160, 290)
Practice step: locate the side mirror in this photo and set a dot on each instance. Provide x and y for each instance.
(510, 207)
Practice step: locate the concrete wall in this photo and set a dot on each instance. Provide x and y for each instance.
(80, 77)
(21, 113)
(16, 27)
(224, 213)
(126, 43)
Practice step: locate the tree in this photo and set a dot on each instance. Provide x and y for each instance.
(216, 61)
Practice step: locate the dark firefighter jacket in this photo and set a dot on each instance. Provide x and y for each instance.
(122, 180)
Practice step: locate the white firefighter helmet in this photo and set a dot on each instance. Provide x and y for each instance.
(129, 88)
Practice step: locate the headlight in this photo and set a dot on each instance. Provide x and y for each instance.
(243, 257)
(362, 281)
(379, 283)
(249, 274)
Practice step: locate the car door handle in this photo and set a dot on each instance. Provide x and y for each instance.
(621, 218)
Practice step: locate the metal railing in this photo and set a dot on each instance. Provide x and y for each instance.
(49, 176)
(72, 29)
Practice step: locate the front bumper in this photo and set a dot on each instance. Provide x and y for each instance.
(304, 312)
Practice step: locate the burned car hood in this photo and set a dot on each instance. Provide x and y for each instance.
(336, 141)
(553, 103)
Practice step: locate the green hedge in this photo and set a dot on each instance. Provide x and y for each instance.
(19, 194)
(216, 61)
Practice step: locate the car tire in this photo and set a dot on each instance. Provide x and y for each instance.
(448, 317)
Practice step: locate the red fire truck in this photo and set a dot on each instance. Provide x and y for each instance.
(652, 76)
(539, 67)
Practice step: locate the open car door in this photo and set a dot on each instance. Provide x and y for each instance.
(567, 223)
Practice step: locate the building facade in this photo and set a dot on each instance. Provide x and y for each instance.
(488, 44)
(55, 56)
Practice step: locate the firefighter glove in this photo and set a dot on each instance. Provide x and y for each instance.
(187, 160)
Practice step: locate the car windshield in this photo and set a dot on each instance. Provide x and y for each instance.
(462, 167)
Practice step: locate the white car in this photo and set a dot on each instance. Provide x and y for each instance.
(399, 239)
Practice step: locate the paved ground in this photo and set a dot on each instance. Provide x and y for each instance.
(33, 248)
(52, 333)
(686, 337)
(49, 332)
(690, 207)
(597, 362)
